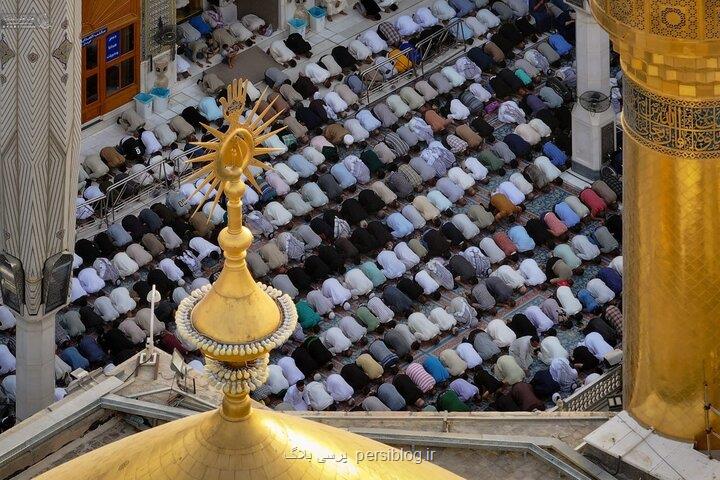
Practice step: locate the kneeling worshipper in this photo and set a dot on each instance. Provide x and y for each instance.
(435, 368)
(563, 374)
(389, 395)
(369, 366)
(571, 305)
(522, 350)
(532, 273)
(420, 377)
(450, 402)
(538, 318)
(339, 389)
(334, 290)
(335, 340)
(383, 355)
(508, 371)
(423, 329)
(600, 291)
(551, 348)
(409, 391)
(316, 396)
(307, 316)
(500, 333)
(523, 394)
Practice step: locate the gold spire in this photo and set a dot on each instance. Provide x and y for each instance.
(236, 323)
(235, 310)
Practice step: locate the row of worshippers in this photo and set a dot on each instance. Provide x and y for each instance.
(463, 365)
(124, 263)
(115, 271)
(344, 296)
(401, 339)
(150, 156)
(284, 213)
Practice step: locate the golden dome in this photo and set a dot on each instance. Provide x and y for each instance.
(265, 445)
(236, 323)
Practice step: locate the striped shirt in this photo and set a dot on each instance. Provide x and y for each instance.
(411, 175)
(420, 377)
(396, 144)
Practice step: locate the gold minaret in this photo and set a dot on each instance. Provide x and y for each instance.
(236, 322)
(670, 55)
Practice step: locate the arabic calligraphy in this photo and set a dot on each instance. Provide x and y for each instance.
(299, 454)
(684, 128)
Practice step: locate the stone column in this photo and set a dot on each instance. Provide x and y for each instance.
(39, 142)
(670, 53)
(35, 349)
(593, 74)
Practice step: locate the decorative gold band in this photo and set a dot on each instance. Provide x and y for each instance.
(683, 128)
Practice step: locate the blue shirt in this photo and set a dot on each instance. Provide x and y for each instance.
(355, 83)
(462, 31)
(557, 157)
(208, 107)
(436, 369)
(612, 279)
(559, 44)
(120, 237)
(516, 143)
(200, 25)
(90, 349)
(462, 7)
(343, 176)
(301, 165)
(521, 239)
(566, 214)
(414, 54)
(400, 225)
(480, 58)
(72, 357)
(267, 192)
(588, 301)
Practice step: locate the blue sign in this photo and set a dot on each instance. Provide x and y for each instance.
(87, 40)
(112, 46)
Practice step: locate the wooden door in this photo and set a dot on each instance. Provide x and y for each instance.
(110, 55)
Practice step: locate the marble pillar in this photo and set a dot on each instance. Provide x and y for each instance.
(593, 74)
(35, 366)
(670, 55)
(39, 143)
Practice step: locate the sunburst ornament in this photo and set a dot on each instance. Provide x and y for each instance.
(232, 153)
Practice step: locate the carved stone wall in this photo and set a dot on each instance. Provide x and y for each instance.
(39, 144)
(39, 134)
(152, 12)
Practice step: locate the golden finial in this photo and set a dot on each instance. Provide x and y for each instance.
(233, 152)
(236, 321)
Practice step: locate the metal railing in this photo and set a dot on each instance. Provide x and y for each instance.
(428, 48)
(594, 396)
(129, 191)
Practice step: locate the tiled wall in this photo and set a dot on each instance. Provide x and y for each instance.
(152, 11)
